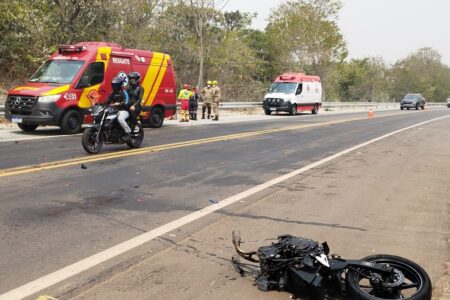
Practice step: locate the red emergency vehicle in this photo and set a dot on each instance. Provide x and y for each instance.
(57, 94)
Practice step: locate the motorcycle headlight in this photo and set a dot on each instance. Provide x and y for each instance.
(48, 99)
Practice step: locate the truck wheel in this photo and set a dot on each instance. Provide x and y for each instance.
(27, 127)
(315, 110)
(71, 122)
(293, 111)
(267, 111)
(156, 118)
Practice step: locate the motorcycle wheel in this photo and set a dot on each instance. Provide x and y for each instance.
(137, 136)
(415, 286)
(89, 142)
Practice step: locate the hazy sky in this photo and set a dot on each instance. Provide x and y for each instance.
(391, 29)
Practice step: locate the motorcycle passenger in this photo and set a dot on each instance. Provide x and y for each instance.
(119, 98)
(135, 94)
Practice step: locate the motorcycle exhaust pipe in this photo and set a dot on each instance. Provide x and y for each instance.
(236, 236)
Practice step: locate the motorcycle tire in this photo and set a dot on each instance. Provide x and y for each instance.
(137, 136)
(416, 284)
(89, 142)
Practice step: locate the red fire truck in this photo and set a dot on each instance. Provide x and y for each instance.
(57, 93)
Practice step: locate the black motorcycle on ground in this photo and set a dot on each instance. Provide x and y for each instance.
(107, 130)
(305, 268)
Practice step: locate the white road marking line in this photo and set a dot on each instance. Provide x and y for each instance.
(96, 259)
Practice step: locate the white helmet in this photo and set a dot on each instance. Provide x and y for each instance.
(122, 75)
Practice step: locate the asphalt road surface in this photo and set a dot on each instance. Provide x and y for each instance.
(155, 223)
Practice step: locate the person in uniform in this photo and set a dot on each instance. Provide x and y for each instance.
(207, 93)
(216, 100)
(193, 104)
(184, 96)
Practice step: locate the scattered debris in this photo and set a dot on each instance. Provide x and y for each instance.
(212, 201)
(83, 166)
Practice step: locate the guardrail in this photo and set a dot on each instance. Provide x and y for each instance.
(334, 105)
(328, 106)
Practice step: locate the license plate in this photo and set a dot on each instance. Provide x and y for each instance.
(16, 119)
(273, 108)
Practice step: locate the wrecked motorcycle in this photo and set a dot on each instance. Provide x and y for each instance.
(304, 267)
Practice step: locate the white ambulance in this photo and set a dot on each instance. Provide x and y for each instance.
(292, 93)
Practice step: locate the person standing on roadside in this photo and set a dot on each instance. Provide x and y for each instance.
(216, 100)
(193, 104)
(184, 96)
(207, 95)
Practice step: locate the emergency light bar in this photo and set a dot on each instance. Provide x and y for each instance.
(71, 48)
(287, 77)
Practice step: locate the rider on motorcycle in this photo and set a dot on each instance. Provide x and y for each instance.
(119, 98)
(135, 93)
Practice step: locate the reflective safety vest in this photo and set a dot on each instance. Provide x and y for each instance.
(184, 94)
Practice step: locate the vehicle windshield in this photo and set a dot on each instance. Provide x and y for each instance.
(283, 87)
(411, 96)
(57, 71)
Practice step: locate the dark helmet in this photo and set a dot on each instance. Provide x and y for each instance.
(116, 84)
(134, 78)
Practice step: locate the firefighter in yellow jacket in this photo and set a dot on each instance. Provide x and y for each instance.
(207, 95)
(216, 100)
(183, 97)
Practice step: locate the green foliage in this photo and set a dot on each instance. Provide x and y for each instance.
(307, 37)
(422, 72)
(363, 80)
(206, 43)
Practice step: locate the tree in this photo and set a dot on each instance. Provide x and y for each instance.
(204, 14)
(307, 35)
(421, 72)
(363, 80)
(236, 20)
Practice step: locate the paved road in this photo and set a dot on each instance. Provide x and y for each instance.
(389, 196)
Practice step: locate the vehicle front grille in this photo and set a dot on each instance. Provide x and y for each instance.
(274, 102)
(20, 104)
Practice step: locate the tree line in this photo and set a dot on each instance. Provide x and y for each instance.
(208, 43)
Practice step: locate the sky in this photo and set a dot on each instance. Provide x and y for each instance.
(390, 29)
